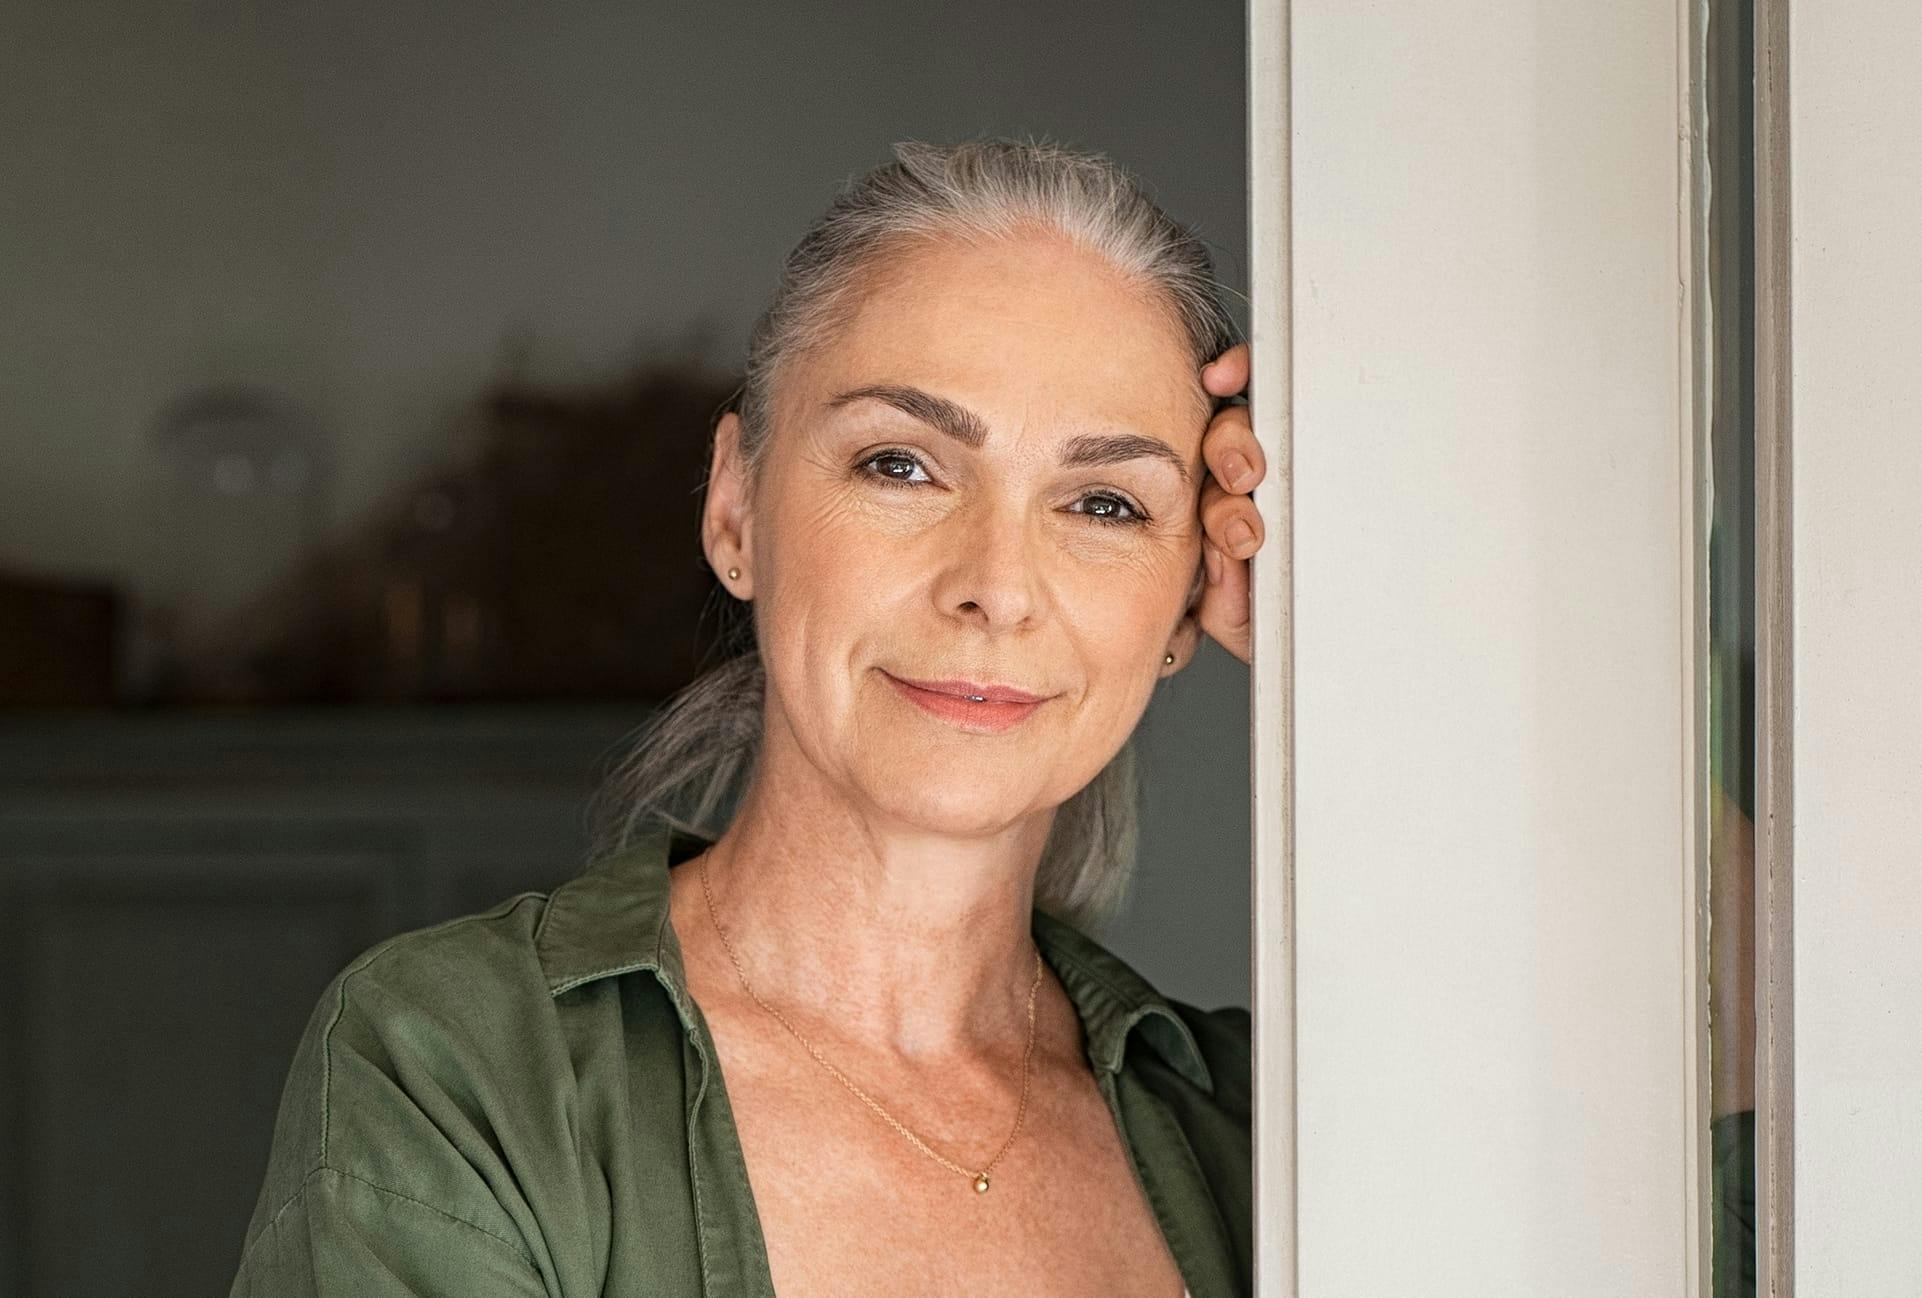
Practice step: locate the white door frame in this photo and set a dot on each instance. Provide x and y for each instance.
(1271, 682)
(1479, 689)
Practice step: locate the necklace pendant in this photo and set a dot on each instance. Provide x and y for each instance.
(981, 1183)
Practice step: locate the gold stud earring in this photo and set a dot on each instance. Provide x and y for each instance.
(1169, 659)
(733, 574)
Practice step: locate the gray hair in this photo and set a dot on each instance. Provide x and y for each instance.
(693, 759)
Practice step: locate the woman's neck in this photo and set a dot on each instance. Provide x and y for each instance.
(914, 942)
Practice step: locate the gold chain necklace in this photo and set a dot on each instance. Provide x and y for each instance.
(980, 1177)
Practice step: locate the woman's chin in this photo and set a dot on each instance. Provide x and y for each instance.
(947, 801)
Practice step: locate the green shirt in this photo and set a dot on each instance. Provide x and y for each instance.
(527, 1102)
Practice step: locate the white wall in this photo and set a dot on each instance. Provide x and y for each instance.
(1493, 583)
(1856, 298)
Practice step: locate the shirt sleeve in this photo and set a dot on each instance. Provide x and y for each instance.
(341, 1235)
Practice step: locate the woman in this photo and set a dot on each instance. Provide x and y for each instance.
(982, 489)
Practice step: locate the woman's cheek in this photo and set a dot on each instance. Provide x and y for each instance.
(832, 538)
(1128, 575)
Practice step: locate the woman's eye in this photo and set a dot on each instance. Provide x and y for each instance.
(1113, 509)
(1106, 507)
(899, 458)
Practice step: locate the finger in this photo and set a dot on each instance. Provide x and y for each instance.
(1231, 452)
(1231, 522)
(1227, 373)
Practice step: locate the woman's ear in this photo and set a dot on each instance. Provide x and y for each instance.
(727, 521)
(1192, 606)
(1187, 633)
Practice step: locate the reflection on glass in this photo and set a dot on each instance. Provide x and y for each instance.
(1731, 575)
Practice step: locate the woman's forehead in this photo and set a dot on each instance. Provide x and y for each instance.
(1045, 285)
(1038, 324)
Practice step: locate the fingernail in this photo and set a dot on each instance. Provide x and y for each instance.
(1241, 537)
(1212, 557)
(1239, 470)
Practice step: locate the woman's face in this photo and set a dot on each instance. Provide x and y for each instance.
(990, 475)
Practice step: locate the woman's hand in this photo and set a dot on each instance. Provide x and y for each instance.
(1230, 523)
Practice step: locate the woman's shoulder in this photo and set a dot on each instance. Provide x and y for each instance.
(442, 993)
(450, 960)
(445, 993)
(399, 1075)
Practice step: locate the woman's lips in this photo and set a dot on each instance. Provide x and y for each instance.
(987, 716)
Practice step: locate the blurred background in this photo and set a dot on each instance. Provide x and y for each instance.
(356, 365)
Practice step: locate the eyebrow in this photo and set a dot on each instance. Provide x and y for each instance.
(964, 426)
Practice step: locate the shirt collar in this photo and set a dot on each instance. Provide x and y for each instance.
(613, 919)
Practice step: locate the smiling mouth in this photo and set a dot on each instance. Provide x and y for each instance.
(974, 693)
(975, 708)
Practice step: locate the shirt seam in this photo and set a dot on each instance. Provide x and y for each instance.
(1168, 1217)
(273, 1223)
(1201, 1177)
(694, 1170)
(569, 983)
(540, 925)
(694, 1111)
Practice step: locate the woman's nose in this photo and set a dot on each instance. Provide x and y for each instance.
(990, 572)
